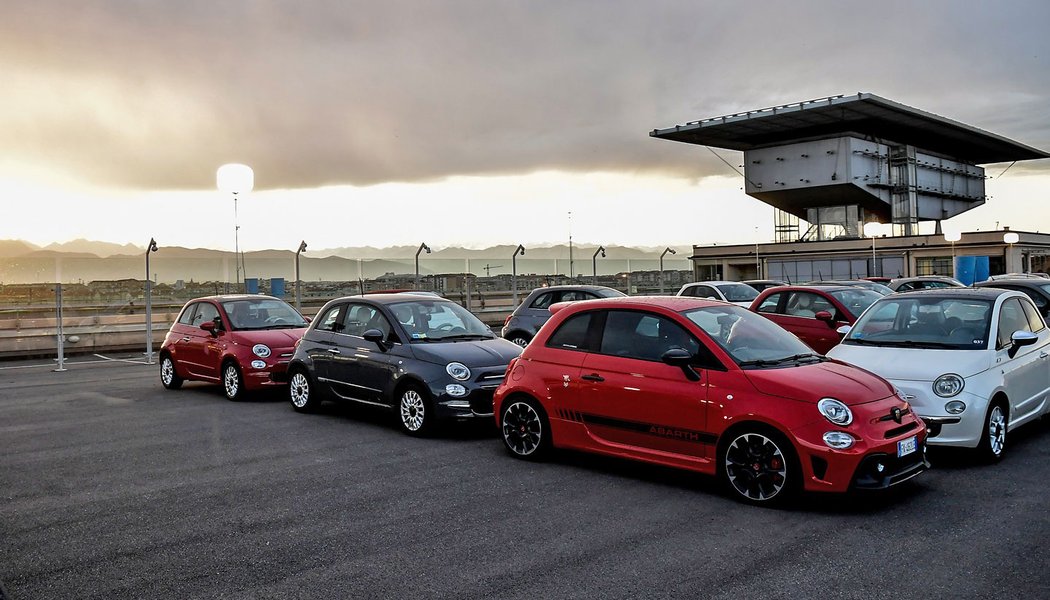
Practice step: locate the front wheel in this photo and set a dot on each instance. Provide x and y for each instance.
(993, 438)
(758, 468)
(526, 430)
(232, 381)
(301, 393)
(168, 377)
(415, 412)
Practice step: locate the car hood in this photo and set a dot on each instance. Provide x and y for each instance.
(913, 364)
(274, 338)
(810, 383)
(473, 353)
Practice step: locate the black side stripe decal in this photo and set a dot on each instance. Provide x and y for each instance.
(684, 435)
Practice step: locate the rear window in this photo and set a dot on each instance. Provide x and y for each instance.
(572, 334)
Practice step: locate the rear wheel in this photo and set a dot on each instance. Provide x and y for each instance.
(519, 338)
(758, 467)
(993, 438)
(168, 377)
(525, 429)
(301, 392)
(232, 381)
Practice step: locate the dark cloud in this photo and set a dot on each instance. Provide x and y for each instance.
(335, 92)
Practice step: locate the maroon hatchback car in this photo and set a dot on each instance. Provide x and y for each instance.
(243, 342)
(814, 313)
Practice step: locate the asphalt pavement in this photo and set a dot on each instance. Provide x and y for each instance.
(113, 487)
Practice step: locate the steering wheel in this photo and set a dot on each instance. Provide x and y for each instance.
(446, 327)
(277, 321)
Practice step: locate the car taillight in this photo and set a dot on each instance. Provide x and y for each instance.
(509, 317)
(295, 346)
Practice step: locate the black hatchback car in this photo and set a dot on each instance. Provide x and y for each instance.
(427, 359)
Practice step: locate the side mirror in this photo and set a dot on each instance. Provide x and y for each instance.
(843, 330)
(824, 315)
(211, 327)
(376, 337)
(1021, 339)
(308, 319)
(679, 357)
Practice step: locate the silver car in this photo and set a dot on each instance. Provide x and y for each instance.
(521, 326)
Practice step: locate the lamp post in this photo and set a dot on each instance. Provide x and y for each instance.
(298, 282)
(571, 274)
(422, 247)
(514, 272)
(236, 179)
(594, 264)
(872, 230)
(671, 250)
(152, 247)
(952, 236)
(1010, 238)
(758, 264)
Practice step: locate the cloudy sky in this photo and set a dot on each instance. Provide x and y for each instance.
(468, 122)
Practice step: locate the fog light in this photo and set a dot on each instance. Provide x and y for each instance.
(955, 407)
(258, 364)
(838, 440)
(454, 389)
(880, 467)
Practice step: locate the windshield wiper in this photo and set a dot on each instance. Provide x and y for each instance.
(779, 361)
(467, 336)
(918, 344)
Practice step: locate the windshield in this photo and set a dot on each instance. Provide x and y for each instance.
(435, 320)
(924, 322)
(738, 292)
(751, 340)
(856, 299)
(262, 313)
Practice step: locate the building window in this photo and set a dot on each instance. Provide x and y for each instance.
(934, 265)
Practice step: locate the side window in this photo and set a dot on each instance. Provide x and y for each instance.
(769, 305)
(329, 321)
(1011, 318)
(543, 300)
(1040, 301)
(206, 311)
(907, 287)
(644, 336)
(706, 291)
(356, 319)
(805, 304)
(572, 334)
(1035, 319)
(186, 318)
(572, 296)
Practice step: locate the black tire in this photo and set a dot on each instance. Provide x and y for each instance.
(758, 466)
(415, 411)
(301, 392)
(992, 447)
(169, 378)
(232, 381)
(520, 338)
(525, 429)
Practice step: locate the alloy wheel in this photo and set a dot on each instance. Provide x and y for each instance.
(756, 467)
(996, 430)
(231, 380)
(167, 371)
(522, 428)
(413, 410)
(299, 390)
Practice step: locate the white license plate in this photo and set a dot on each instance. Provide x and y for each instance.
(906, 447)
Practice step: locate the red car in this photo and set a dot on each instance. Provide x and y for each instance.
(814, 313)
(243, 342)
(709, 387)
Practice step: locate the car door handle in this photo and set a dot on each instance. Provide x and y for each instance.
(186, 339)
(334, 350)
(1043, 355)
(593, 377)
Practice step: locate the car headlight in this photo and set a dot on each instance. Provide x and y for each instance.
(261, 350)
(458, 371)
(835, 411)
(456, 390)
(839, 440)
(948, 385)
(955, 407)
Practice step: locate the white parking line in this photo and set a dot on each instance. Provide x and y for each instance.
(104, 359)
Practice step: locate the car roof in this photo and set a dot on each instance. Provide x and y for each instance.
(229, 297)
(1033, 282)
(715, 282)
(813, 287)
(986, 293)
(673, 303)
(391, 298)
(582, 287)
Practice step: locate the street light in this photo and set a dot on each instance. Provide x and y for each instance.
(758, 263)
(235, 179)
(298, 283)
(952, 236)
(152, 247)
(1010, 238)
(871, 230)
(662, 267)
(594, 263)
(514, 272)
(422, 247)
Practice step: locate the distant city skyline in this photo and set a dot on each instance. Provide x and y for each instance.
(484, 126)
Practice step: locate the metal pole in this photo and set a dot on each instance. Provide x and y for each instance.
(662, 267)
(149, 304)
(514, 272)
(571, 274)
(236, 243)
(422, 247)
(594, 263)
(61, 336)
(874, 271)
(298, 282)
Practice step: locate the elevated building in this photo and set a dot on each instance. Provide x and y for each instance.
(831, 166)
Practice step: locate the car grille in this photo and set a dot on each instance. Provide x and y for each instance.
(490, 379)
(896, 431)
(894, 469)
(481, 402)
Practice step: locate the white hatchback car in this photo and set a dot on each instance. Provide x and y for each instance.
(738, 293)
(971, 362)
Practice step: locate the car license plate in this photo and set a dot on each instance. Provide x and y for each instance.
(906, 447)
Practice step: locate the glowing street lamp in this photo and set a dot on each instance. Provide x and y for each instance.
(671, 250)
(235, 179)
(872, 230)
(298, 283)
(422, 247)
(514, 272)
(594, 263)
(152, 247)
(952, 236)
(1010, 238)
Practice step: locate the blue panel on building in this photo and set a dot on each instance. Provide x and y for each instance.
(277, 286)
(251, 285)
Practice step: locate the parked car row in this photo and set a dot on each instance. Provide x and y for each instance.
(744, 394)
